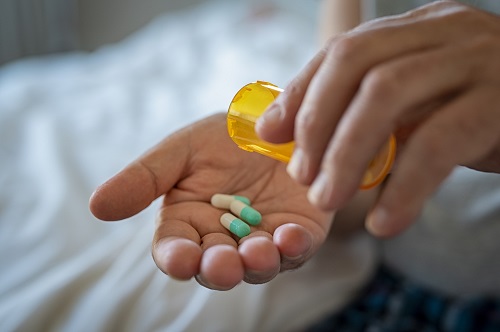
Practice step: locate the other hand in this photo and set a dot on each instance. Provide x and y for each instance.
(187, 168)
(430, 76)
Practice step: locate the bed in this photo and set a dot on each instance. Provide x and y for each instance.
(68, 122)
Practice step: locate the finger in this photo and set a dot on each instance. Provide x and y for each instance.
(391, 94)
(221, 268)
(292, 237)
(296, 245)
(183, 232)
(460, 133)
(261, 258)
(297, 237)
(339, 76)
(276, 125)
(177, 257)
(176, 246)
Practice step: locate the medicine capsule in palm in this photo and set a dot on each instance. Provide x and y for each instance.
(235, 225)
(245, 212)
(223, 201)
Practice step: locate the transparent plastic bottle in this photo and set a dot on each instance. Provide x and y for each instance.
(252, 100)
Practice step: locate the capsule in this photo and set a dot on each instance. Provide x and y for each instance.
(223, 201)
(245, 212)
(235, 225)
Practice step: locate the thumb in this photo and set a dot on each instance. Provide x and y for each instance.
(140, 183)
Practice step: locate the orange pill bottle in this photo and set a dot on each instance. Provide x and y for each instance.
(252, 100)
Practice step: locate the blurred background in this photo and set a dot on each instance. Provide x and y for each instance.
(34, 27)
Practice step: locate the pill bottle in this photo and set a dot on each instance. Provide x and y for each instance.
(252, 100)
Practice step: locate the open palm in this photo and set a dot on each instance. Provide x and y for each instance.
(187, 168)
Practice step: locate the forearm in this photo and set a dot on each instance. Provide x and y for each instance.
(337, 16)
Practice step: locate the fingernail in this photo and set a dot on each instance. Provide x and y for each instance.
(378, 221)
(206, 284)
(259, 277)
(296, 167)
(321, 190)
(294, 258)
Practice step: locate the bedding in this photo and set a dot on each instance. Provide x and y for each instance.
(68, 122)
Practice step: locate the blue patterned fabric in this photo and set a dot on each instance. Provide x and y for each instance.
(391, 303)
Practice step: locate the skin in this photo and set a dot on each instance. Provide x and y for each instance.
(431, 77)
(186, 169)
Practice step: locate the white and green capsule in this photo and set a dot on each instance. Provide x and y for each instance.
(245, 212)
(235, 225)
(223, 201)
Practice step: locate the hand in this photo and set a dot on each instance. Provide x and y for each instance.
(188, 168)
(431, 76)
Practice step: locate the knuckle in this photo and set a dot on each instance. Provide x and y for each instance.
(306, 125)
(344, 48)
(381, 83)
(462, 15)
(443, 4)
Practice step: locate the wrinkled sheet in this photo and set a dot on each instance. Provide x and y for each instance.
(69, 122)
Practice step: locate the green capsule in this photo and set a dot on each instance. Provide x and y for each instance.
(245, 212)
(235, 225)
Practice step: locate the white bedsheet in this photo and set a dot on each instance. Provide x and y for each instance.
(69, 122)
